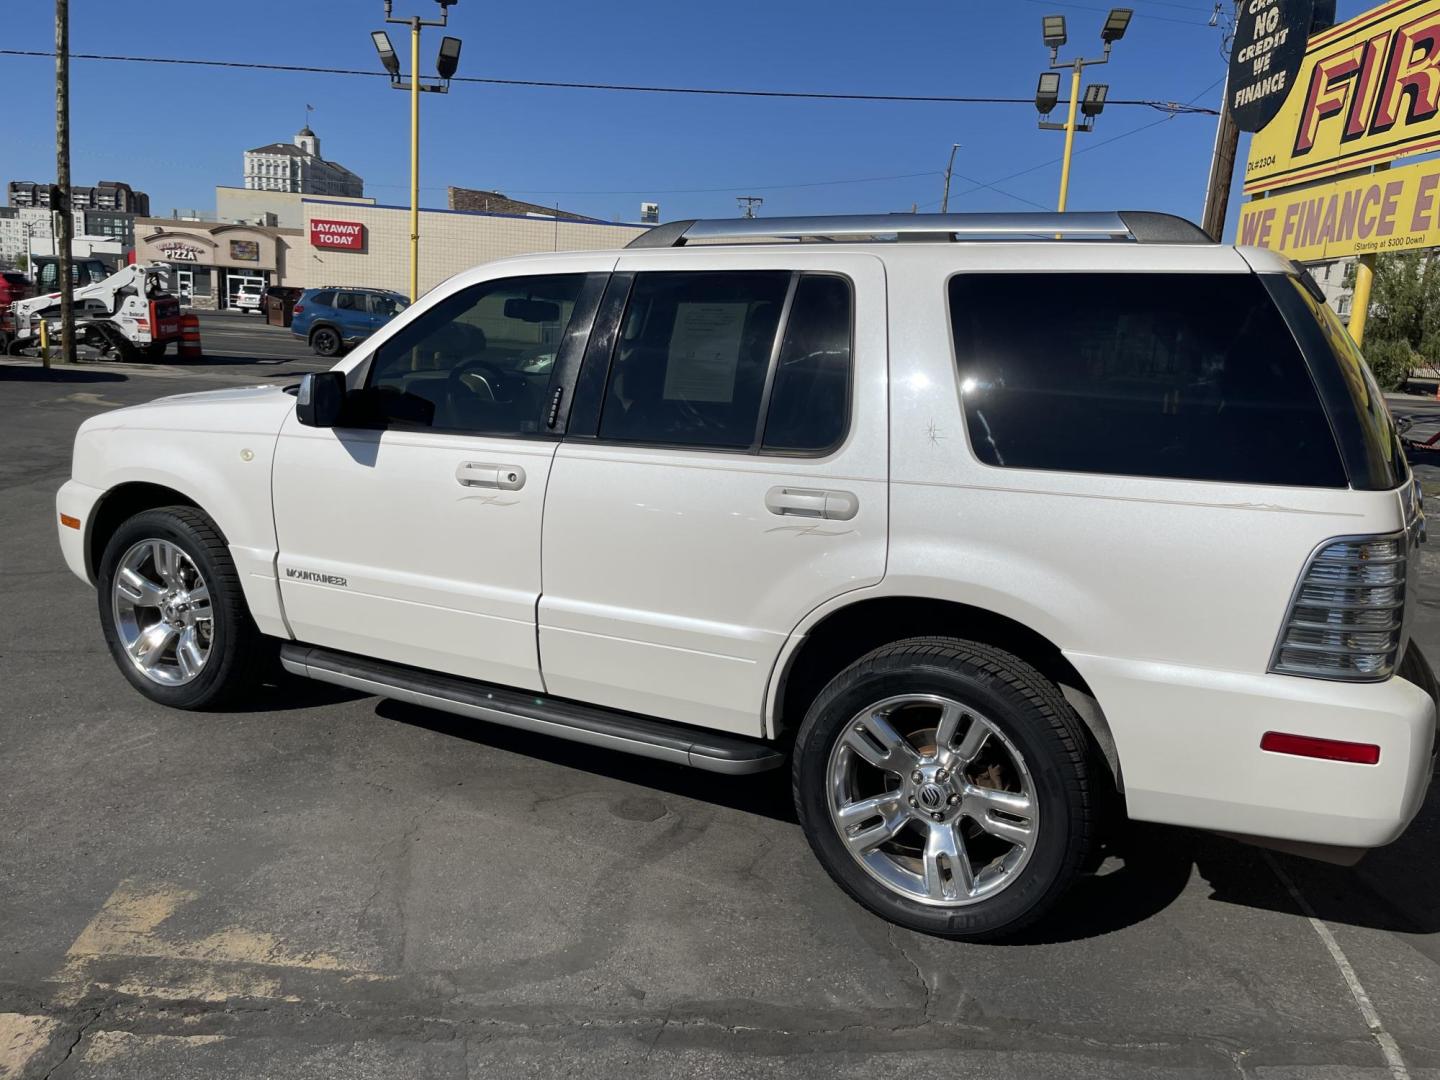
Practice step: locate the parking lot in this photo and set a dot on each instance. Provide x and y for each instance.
(337, 886)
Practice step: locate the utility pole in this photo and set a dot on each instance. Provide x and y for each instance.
(949, 168)
(749, 203)
(62, 181)
(1222, 161)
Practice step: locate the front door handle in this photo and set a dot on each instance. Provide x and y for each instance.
(483, 474)
(812, 503)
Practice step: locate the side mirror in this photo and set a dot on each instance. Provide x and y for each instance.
(321, 399)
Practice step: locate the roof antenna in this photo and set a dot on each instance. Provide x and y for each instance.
(749, 203)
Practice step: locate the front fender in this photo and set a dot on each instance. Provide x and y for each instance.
(220, 460)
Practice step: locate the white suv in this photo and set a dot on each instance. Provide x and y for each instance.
(990, 532)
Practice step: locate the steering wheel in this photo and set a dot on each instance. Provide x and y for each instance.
(486, 380)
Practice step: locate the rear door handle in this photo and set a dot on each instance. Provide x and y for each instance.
(483, 474)
(812, 503)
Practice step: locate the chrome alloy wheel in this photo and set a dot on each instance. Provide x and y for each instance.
(932, 800)
(162, 612)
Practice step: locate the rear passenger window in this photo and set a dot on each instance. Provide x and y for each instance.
(810, 398)
(323, 299)
(690, 363)
(1191, 376)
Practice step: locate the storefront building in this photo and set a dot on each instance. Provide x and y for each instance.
(344, 243)
(211, 261)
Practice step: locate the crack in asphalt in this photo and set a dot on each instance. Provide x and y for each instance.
(79, 1035)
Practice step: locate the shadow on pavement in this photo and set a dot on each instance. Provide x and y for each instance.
(65, 373)
(766, 794)
(1149, 868)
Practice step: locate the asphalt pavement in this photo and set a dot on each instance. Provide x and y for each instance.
(330, 885)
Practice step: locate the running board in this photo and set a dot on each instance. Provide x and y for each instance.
(631, 734)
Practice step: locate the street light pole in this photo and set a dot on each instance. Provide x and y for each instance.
(1093, 103)
(414, 159)
(446, 64)
(949, 168)
(1070, 133)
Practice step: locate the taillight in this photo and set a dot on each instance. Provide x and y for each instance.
(297, 309)
(1345, 619)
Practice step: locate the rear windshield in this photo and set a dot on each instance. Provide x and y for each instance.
(1182, 376)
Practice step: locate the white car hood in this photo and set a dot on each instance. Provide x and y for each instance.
(260, 409)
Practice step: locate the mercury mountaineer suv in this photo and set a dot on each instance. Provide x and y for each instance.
(988, 533)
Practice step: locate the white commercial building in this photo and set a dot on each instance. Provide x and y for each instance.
(355, 244)
(298, 167)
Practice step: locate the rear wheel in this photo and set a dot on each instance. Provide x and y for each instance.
(173, 613)
(948, 787)
(325, 342)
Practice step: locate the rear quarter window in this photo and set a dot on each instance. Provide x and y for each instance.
(1178, 376)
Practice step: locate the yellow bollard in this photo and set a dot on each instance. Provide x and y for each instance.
(45, 342)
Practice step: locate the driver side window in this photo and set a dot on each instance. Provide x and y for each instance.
(480, 360)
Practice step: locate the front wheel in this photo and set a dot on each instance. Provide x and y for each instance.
(173, 613)
(948, 787)
(325, 342)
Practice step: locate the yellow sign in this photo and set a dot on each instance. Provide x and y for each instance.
(1385, 211)
(1368, 92)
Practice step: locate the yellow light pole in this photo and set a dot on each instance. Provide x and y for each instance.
(1364, 281)
(1069, 137)
(1047, 94)
(445, 65)
(414, 160)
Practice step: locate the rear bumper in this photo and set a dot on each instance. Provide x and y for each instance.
(77, 501)
(1188, 741)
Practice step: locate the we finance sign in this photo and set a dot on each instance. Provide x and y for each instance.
(345, 235)
(1396, 210)
(1367, 92)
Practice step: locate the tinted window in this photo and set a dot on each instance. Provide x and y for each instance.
(810, 397)
(324, 299)
(1381, 442)
(386, 306)
(480, 360)
(689, 366)
(349, 301)
(1188, 376)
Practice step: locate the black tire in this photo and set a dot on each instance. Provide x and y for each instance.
(1028, 710)
(326, 342)
(239, 654)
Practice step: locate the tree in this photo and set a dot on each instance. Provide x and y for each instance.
(1403, 329)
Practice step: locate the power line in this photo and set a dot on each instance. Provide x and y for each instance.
(810, 95)
(1138, 14)
(695, 191)
(993, 185)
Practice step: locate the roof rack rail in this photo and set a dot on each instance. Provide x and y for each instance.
(1138, 226)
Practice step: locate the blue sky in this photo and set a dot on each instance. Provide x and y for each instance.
(176, 132)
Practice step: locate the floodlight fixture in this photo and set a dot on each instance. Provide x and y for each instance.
(1116, 23)
(388, 60)
(1093, 103)
(449, 58)
(1054, 30)
(1047, 93)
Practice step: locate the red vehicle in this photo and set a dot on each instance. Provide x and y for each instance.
(13, 286)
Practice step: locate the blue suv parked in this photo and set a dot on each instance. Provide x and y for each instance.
(337, 318)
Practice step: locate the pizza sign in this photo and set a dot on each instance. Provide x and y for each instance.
(179, 251)
(345, 235)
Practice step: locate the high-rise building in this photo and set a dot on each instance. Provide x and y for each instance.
(298, 167)
(106, 195)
